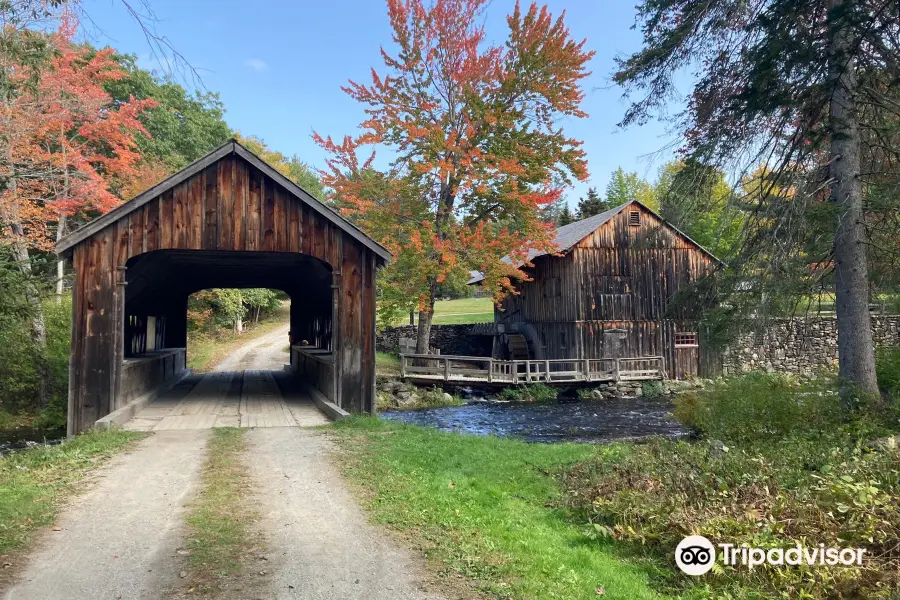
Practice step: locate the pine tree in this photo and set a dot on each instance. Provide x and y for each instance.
(565, 216)
(807, 90)
(592, 205)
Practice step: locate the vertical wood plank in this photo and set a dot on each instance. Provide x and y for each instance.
(293, 235)
(268, 240)
(239, 190)
(136, 232)
(225, 204)
(166, 219)
(210, 202)
(152, 225)
(254, 209)
(280, 220)
(179, 238)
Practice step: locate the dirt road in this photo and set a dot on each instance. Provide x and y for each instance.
(266, 353)
(121, 539)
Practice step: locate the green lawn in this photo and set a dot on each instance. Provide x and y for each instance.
(485, 508)
(460, 312)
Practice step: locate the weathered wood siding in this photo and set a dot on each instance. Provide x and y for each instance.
(228, 206)
(621, 277)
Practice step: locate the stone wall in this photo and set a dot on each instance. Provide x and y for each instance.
(450, 339)
(801, 346)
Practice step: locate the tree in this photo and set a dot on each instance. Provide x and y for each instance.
(695, 198)
(181, 128)
(624, 187)
(592, 204)
(565, 216)
(806, 88)
(64, 150)
(478, 149)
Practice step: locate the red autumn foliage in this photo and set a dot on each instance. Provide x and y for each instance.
(67, 149)
(474, 129)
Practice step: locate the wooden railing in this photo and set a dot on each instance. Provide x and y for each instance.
(463, 369)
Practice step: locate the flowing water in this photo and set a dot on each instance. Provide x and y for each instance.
(565, 421)
(21, 438)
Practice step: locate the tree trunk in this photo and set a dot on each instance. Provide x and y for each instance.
(60, 264)
(423, 333)
(856, 352)
(238, 325)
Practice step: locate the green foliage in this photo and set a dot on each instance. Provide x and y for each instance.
(695, 198)
(534, 392)
(887, 366)
(22, 360)
(624, 187)
(760, 406)
(592, 204)
(653, 389)
(794, 468)
(183, 127)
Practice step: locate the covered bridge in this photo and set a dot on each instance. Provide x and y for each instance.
(229, 220)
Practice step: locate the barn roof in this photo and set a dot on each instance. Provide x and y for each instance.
(228, 148)
(568, 236)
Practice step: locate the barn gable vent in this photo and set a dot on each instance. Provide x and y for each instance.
(634, 217)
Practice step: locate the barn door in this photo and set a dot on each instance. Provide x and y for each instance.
(687, 355)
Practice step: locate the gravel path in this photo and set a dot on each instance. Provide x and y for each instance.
(319, 545)
(119, 540)
(262, 354)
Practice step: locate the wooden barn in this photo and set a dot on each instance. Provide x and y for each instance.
(229, 220)
(610, 294)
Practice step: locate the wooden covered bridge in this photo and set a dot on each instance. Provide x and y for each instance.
(229, 220)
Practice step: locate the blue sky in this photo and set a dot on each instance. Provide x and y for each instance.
(279, 65)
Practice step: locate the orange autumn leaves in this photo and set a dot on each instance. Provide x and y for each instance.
(474, 129)
(67, 150)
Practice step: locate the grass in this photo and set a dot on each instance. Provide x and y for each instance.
(387, 364)
(460, 312)
(34, 482)
(220, 518)
(206, 351)
(482, 507)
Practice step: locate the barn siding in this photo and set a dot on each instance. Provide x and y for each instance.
(619, 277)
(229, 205)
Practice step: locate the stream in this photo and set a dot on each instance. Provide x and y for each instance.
(20, 438)
(565, 421)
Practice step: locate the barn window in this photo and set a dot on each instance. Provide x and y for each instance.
(634, 217)
(685, 339)
(551, 289)
(562, 340)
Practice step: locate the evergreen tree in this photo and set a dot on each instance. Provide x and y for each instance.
(592, 205)
(807, 90)
(565, 216)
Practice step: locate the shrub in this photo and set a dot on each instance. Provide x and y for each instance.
(797, 468)
(760, 406)
(887, 366)
(778, 494)
(536, 392)
(653, 389)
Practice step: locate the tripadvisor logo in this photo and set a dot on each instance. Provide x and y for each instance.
(696, 555)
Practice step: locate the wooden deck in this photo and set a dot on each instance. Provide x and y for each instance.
(239, 399)
(483, 370)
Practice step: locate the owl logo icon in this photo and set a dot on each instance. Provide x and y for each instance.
(695, 555)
